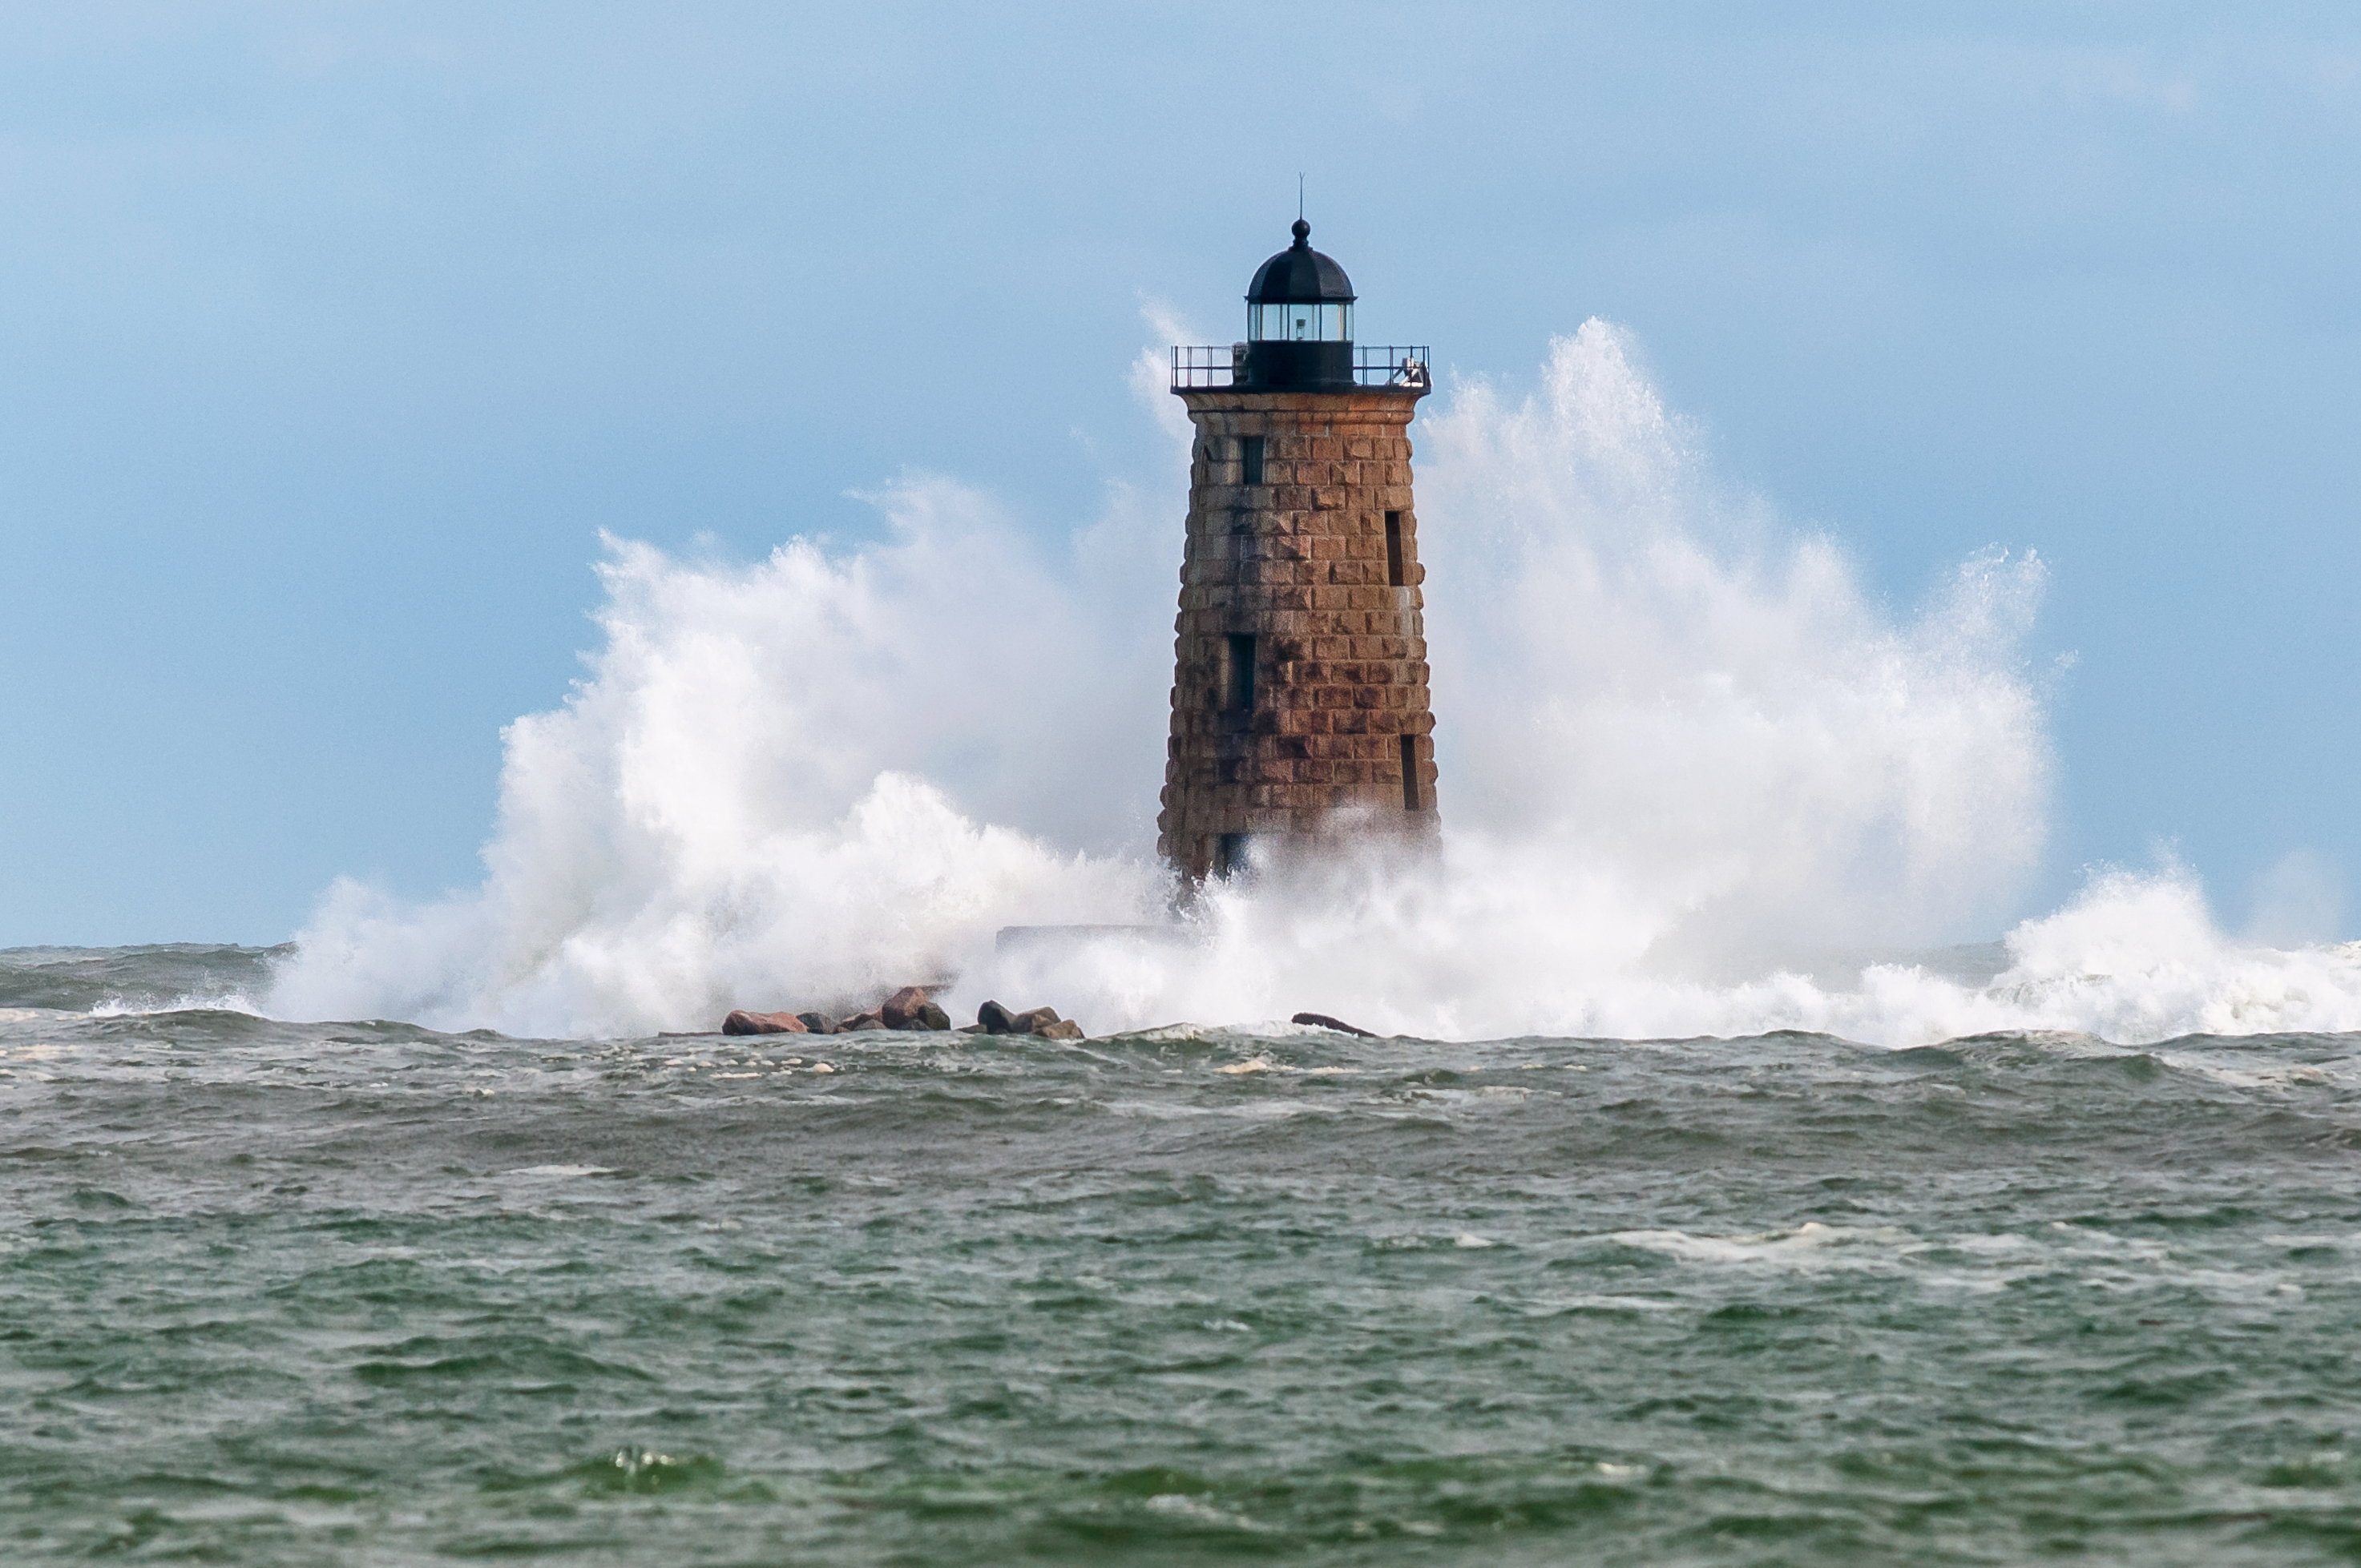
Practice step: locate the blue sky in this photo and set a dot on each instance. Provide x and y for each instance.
(330, 336)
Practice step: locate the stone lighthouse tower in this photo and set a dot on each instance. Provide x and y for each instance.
(1300, 710)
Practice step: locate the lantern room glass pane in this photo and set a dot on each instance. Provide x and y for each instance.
(1306, 322)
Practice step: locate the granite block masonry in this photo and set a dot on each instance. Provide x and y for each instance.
(1299, 705)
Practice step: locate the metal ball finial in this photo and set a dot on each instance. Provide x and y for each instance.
(1303, 233)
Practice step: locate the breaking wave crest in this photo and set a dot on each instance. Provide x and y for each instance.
(1693, 780)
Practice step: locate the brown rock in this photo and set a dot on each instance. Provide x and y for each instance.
(744, 1023)
(1060, 1029)
(995, 1019)
(903, 1009)
(818, 1023)
(860, 1021)
(932, 1018)
(1032, 1020)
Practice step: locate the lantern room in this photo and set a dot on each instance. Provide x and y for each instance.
(1299, 320)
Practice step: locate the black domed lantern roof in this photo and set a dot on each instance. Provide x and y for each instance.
(1300, 275)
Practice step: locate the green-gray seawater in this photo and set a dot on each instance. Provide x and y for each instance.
(363, 1293)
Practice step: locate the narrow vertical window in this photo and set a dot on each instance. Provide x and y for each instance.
(1410, 773)
(1241, 695)
(1250, 460)
(1229, 854)
(1393, 549)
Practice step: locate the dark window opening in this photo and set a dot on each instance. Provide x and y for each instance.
(1410, 773)
(1241, 682)
(1393, 549)
(1230, 855)
(1250, 460)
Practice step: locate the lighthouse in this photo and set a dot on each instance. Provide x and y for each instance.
(1299, 709)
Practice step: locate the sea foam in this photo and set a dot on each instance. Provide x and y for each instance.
(1682, 752)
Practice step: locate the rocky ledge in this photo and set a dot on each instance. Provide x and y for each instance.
(908, 1008)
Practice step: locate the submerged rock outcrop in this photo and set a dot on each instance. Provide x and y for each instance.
(1321, 1020)
(745, 1022)
(993, 1018)
(909, 1008)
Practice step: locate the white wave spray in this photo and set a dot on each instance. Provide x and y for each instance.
(1681, 752)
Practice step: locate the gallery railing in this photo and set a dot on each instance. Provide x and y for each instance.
(1213, 365)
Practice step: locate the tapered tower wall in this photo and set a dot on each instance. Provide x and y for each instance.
(1296, 573)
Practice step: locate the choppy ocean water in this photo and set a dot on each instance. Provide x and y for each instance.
(366, 1293)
